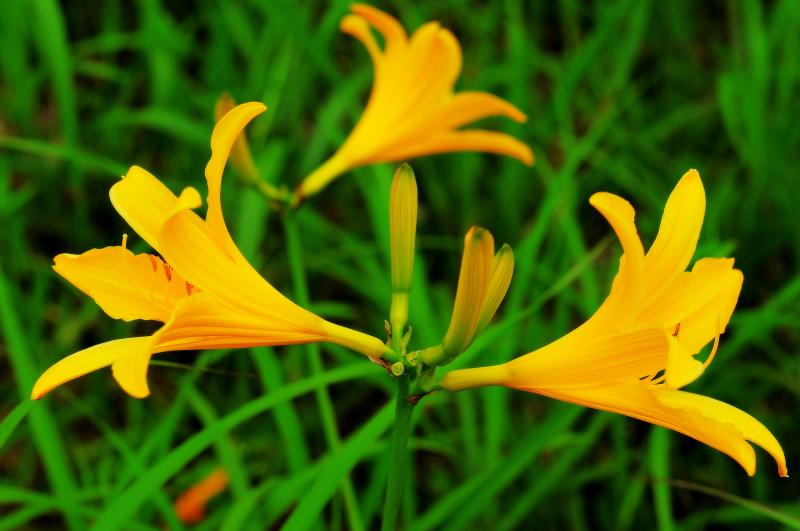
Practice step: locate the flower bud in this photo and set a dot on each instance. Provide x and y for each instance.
(477, 265)
(402, 233)
(498, 285)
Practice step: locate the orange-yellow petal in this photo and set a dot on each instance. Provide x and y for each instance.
(455, 111)
(467, 107)
(716, 411)
(699, 328)
(124, 285)
(190, 250)
(145, 203)
(130, 372)
(682, 368)
(392, 31)
(88, 360)
(698, 304)
(223, 138)
(627, 291)
(462, 140)
(677, 236)
(709, 421)
(359, 28)
(430, 71)
(204, 322)
(241, 158)
(586, 361)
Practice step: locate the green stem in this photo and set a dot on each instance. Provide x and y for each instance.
(296, 265)
(397, 468)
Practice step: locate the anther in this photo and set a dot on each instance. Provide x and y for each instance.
(153, 262)
(167, 271)
(677, 329)
(189, 287)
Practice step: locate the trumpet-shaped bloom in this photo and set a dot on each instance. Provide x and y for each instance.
(413, 109)
(638, 349)
(201, 287)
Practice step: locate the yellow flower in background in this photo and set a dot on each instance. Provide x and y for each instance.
(204, 290)
(635, 353)
(413, 109)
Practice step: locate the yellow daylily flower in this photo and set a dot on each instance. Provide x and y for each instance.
(204, 290)
(635, 353)
(413, 109)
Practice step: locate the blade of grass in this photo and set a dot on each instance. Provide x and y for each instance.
(118, 512)
(43, 426)
(84, 159)
(10, 422)
(788, 520)
(500, 474)
(294, 250)
(658, 462)
(342, 461)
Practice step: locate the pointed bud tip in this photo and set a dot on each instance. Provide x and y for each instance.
(404, 169)
(477, 233)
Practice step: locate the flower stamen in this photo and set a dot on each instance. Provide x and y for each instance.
(714, 348)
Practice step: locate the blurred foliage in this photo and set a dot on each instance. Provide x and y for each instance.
(622, 96)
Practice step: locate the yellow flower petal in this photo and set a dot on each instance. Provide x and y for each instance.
(190, 250)
(714, 423)
(359, 28)
(130, 372)
(627, 291)
(585, 362)
(145, 203)
(709, 409)
(451, 141)
(677, 236)
(467, 107)
(697, 303)
(124, 285)
(241, 158)
(388, 26)
(204, 322)
(86, 361)
(699, 328)
(223, 138)
(432, 68)
(682, 369)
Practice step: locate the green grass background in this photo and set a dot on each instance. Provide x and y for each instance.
(622, 96)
